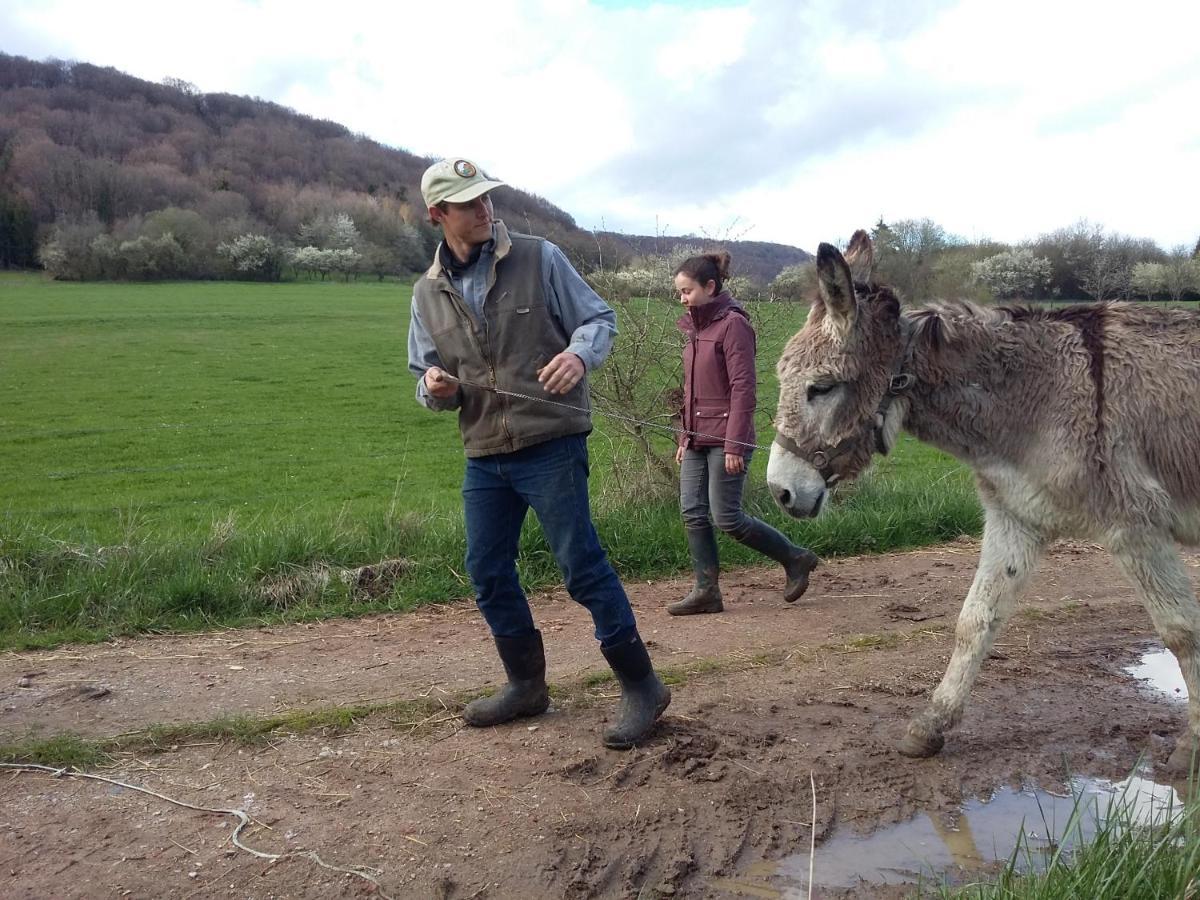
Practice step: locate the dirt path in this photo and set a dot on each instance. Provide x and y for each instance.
(771, 693)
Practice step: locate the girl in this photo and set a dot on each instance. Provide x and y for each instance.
(718, 410)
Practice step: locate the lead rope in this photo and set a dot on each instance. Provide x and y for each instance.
(600, 412)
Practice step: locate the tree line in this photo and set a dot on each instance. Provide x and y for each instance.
(1079, 261)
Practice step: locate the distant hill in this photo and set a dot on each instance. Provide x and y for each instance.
(106, 161)
(760, 261)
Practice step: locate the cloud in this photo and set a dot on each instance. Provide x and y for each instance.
(799, 120)
(994, 120)
(803, 84)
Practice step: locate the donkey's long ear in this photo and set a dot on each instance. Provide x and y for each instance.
(837, 288)
(860, 257)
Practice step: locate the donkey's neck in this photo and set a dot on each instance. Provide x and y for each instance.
(967, 396)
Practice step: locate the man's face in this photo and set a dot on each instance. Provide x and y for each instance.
(465, 223)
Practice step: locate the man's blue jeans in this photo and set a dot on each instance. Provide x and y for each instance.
(552, 478)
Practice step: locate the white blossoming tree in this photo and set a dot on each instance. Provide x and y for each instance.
(1012, 273)
(255, 256)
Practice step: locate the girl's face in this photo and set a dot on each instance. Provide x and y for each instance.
(692, 293)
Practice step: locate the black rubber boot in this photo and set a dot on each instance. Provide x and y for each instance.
(525, 694)
(643, 695)
(705, 597)
(797, 562)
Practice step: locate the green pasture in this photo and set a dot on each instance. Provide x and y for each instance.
(171, 404)
(166, 449)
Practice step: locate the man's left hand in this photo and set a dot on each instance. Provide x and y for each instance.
(562, 373)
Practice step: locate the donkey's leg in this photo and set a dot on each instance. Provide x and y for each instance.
(1010, 554)
(1152, 563)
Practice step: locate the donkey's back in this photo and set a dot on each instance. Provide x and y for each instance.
(1153, 366)
(1134, 423)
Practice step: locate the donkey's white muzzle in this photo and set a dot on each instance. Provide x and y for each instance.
(797, 487)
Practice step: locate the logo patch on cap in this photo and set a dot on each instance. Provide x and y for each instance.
(464, 169)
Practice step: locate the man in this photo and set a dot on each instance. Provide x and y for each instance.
(504, 310)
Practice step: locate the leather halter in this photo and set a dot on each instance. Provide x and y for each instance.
(823, 459)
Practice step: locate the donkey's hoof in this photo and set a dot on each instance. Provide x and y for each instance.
(921, 746)
(1184, 758)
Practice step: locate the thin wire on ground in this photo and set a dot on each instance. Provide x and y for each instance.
(241, 815)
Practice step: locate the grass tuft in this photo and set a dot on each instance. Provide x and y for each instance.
(61, 751)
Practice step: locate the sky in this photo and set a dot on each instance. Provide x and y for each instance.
(773, 120)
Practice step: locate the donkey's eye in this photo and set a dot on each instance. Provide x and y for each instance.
(817, 390)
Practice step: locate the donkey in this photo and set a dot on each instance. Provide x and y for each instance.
(1079, 422)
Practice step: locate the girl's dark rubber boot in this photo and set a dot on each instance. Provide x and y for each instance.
(705, 597)
(797, 568)
(643, 695)
(797, 561)
(525, 694)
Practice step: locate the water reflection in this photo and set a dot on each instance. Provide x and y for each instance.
(1161, 669)
(984, 831)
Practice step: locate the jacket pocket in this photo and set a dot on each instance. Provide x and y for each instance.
(710, 423)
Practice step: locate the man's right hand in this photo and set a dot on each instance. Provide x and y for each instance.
(440, 384)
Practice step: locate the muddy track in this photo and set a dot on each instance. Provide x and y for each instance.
(771, 695)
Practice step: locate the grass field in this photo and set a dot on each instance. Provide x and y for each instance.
(166, 447)
(168, 404)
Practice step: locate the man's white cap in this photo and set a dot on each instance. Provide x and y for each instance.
(455, 180)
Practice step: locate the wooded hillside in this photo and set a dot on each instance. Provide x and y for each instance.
(114, 176)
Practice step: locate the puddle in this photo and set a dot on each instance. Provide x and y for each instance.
(986, 831)
(1161, 669)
